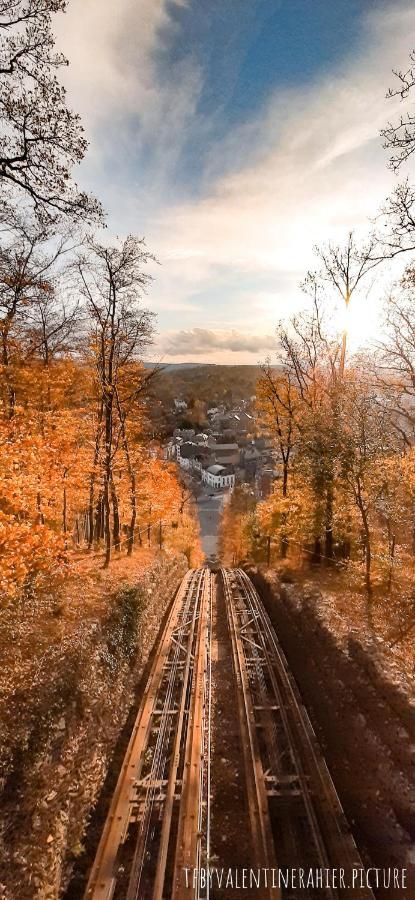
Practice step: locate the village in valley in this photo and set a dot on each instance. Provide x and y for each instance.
(232, 449)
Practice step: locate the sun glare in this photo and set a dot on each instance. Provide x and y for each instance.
(362, 321)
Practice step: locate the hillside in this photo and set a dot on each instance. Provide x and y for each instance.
(211, 384)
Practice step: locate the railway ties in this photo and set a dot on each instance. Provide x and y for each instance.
(159, 822)
(193, 836)
(303, 811)
(136, 855)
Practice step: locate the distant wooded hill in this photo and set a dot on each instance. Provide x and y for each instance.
(167, 367)
(209, 384)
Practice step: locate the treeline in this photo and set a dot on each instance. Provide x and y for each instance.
(343, 423)
(76, 467)
(211, 384)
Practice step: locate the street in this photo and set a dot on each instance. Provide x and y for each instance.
(209, 510)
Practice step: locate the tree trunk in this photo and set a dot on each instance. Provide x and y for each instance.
(93, 477)
(368, 547)
(284, 541)
(108, 401)
(284, 547)
(392, 544)
(115, 517)
(328, 542)
(11, 393)
(98, 525)
(64, 511)
(315, 557)
(140, 539)
(91, 509)
(107, 475)
(285, 479)
(107, 523)
(131, 473)
(342, 365)
(133, 517)
(41, 517)
(368, 567)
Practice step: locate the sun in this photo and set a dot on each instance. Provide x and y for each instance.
(362, 321)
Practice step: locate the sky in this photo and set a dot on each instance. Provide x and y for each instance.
(235, 135)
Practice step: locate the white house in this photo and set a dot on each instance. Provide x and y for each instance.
(180, 404)
(172, 448)
(219, 477)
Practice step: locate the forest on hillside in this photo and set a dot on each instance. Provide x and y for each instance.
(202, 387)
(213, 384)
(76, 467)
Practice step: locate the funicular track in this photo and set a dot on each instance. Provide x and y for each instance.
(159, 815)
(306, 819)
(159, 821)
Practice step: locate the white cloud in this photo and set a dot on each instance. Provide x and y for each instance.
(322, 172)
(307, 168)
(198, 341)
(111, 52)
(128, 108)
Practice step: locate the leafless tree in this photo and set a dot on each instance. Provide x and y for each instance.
(51, 327)
(309, 356)
(344, 268)
(397, 216)
(278, 396)
(397, 234)
(111, 281)
(41, 139)
(32, 319)
(278, 402)
(304, 345)
(365, 437)
(395, 369)
(399, 137)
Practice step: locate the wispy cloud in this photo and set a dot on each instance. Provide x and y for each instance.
(306, 168)
(198, 341)
(136, 116)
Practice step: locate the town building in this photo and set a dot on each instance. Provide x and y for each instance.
(208, 457)
(227, 454)
(219, 477)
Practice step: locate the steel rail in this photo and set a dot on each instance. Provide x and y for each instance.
(261, 833)
(191, 825)
(208, 731)
(337, 823)
(159, 761)
(102, 879)
(164, 787)
(321, 800)
(204, 799)
(252, 598)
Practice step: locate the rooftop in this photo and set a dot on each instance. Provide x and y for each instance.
(226, 447)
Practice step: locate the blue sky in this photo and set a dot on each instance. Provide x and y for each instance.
(248, 49)
(234, 135)
(245, 51)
